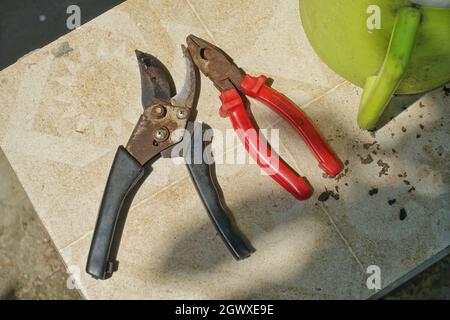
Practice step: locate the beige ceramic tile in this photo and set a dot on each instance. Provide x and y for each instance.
(171, 250)
(405, 163)
(68, 106)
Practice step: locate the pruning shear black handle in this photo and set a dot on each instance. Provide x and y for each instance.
(124, 180)
(202, 174)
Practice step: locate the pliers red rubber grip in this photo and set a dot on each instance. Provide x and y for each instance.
(234, 84)
(234, 108)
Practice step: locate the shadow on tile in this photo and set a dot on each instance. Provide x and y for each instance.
(399, 214)
(199, 251)
(396, 106)
(399, 104)
(31, 267)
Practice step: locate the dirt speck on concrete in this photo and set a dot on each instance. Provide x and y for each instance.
(403, 214)
(62, 50)
(392, 201)
(366, 160)
(446, 91)
(384, 168)
(324, 196)
(367, 146)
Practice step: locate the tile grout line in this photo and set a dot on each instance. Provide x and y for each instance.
(77, 240)
(199, 18)
(347, 244)
(158, 192)
(131, 208)
(310, 102)
(296, 166)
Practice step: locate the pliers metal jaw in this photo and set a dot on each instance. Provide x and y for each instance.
(167, 121)
(234, 84)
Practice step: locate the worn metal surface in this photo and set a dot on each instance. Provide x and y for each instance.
(156, 81)
(143, 144)
(215, 64)
(165, 113)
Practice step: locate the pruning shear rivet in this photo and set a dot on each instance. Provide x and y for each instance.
(158, 112)
(181, 114)
(161, 134)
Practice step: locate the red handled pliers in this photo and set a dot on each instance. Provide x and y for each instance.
(234, 84)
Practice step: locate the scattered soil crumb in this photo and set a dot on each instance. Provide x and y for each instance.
(406, 182)
(403, 214)
(384, 168)
(412, 189)
(62, 50)
(368, 159)
(421, 104)
(418, 136)
(324, 196)
(446, 91)
(403, 175)
(422, 126)
(403, 129)
(392, 201)
(341, 175)
(368, 145)
(373, 191)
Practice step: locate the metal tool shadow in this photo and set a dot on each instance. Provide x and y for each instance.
(193, 254)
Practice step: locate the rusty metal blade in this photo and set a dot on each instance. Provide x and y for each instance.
(156, 82)
(188, 96)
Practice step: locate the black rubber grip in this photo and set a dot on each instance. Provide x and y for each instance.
(201, 172)
(125, 178)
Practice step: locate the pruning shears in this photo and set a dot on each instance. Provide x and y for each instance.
(167, 121)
